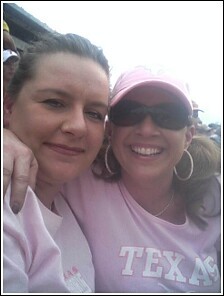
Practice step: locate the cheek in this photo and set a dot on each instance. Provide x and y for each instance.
(28, 127)
(19, 119)
(95, 137)
(117, 142)
(116, 137)
(178, 146)
(176, 138)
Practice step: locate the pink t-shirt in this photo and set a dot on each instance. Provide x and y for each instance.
(43, 251)
(134, 251)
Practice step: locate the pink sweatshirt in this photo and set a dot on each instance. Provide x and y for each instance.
(136, 252)
(44, 252)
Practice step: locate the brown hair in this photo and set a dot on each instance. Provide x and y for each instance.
(49, 44)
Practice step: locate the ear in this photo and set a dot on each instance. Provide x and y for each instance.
(7, 110)
(189, 135)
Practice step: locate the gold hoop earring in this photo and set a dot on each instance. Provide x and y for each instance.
(106, 161)
(191, 169)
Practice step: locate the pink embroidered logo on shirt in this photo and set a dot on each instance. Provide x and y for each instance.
(75, 282)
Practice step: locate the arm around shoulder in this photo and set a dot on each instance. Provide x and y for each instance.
(19, 167)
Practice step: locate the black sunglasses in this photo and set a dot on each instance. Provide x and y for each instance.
(171, 116)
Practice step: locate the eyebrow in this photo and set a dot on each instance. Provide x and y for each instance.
(67, 95)
(55, 91)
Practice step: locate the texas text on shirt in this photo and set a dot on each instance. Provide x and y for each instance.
(181, 259)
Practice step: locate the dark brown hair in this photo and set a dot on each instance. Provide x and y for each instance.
(49, 44)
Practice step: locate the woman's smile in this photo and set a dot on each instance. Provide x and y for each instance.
(65, 150)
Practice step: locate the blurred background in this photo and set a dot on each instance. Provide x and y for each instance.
(184, 36)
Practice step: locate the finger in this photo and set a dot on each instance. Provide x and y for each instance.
(20, 181)
(7, 172)
(33, 173)
(20, 168)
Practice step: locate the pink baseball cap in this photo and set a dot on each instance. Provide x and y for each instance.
(140, 76)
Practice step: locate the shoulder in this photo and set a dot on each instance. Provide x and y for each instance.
(85, 182)
(87, 188)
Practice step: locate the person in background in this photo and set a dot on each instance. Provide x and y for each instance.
(204, 129)
(196, 109)
(10, 62)
(150, 206)
(216, 135)
(195, 116)
(8, 42)
(55, 104)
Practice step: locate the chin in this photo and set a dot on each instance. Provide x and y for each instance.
(58, 178)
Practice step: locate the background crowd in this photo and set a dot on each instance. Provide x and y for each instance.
(212, 130)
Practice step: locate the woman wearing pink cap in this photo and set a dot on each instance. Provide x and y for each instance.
(151, 208)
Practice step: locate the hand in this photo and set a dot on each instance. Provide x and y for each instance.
(8, 42)
(20, 167)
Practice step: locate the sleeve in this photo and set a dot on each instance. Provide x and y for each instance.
(32, 259)
(14, 269)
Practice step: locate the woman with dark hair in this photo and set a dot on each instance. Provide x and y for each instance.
(55, 104)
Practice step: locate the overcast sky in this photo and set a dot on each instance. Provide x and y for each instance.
(185, 36)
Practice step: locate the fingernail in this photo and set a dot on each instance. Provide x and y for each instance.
(15, 207)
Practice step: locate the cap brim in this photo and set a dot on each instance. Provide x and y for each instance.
(196, 109)
(15, 58)
(160, 84)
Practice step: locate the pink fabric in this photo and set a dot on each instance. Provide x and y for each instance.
(45, 252)
(134, 252)
(140, 76)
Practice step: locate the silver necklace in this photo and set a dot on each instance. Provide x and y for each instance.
(166, 207)
(163, 210)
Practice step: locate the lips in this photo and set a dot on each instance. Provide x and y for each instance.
(65, 150)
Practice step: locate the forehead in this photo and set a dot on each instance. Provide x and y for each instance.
(67, 62)
(76, 77)
(149, 95)
(69, 70)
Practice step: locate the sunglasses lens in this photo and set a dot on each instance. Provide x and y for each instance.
(169, 116)
(127, 113)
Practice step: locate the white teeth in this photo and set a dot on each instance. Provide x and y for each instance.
(146, 151)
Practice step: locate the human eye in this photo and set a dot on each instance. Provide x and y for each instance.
(95, 115)
(54, 103)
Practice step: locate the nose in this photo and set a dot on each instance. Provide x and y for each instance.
(147, 127)
(74, 123)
